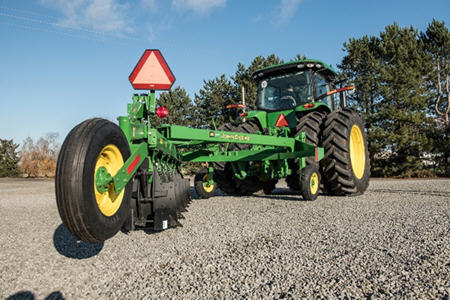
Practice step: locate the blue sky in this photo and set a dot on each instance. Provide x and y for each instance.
(63, 61)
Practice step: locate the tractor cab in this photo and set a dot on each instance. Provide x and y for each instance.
(287, 86)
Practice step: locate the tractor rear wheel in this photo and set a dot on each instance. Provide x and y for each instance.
(91, 214)
(223, 173)
(251, 184)
(347, 165)
(311, 125)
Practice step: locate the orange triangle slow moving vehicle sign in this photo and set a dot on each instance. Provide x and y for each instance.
(152, 72)
(281, 121)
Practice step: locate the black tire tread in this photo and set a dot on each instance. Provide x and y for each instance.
(252, 184)
(68, 158)
(338, 170)
(222, 170)
(70, 167)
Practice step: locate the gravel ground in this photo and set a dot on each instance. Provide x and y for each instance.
(392, 242)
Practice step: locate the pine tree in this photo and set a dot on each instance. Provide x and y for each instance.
(406, 124)
(437, 43)
(390, 73)
(9, 158)
(211, 102)
(361, 67)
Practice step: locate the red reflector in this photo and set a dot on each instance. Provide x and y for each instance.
(133, 164)
(281, 121)
(244, 115)
(162, 112)
(317, 154)
(309, 105)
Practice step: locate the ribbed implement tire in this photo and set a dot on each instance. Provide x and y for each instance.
(311, 125)
(345, 177)
(223, 172)
(251, 184)
(74, 181)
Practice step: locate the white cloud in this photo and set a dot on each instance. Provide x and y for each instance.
(99, 15)
(286, 10)
(199, 6)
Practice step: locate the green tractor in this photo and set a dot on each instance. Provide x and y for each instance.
(111, 176)
(299, 97)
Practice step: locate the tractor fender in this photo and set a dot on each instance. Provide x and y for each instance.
(259, 115)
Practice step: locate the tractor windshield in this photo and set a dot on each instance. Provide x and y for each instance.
(285, 91)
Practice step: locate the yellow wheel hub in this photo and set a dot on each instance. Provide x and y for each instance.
(206, 186)
(314, 183)
(357, 152)
(111, 159)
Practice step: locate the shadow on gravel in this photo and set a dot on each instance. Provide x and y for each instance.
(27, 295)
(70, 246)
(281, 197)
(193, 193)
(277, 194)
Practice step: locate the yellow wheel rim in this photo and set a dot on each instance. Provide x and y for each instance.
(206, 186)
(314, 183)
(357, 152)
(111, 159)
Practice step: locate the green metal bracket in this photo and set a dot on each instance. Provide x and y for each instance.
(213, 136)
(150, 102)
(126, 172)
(211, 175)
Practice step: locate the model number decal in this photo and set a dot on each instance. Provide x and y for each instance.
(236, 137)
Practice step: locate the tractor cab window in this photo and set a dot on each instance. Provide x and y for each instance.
(321, 87)
(285, 91)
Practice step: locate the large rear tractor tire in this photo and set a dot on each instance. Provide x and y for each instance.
(91, 214)
(251, 184)
(311, 125)
(347, 165)
(223, 173)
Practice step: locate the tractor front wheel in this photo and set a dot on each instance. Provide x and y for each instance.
(91, 212)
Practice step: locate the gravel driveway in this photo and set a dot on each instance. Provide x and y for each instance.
(392, 242)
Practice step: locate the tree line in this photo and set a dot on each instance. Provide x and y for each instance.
(36, 158)
(402, 92)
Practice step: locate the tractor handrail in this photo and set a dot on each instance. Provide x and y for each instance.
(339, 90)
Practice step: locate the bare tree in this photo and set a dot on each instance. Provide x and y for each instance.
(38, 159)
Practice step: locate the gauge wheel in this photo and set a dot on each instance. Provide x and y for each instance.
(310, 182)
(202, 186)
(91, 212)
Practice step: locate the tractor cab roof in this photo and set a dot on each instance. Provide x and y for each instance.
(305, 64)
